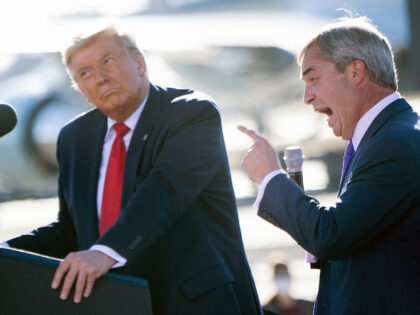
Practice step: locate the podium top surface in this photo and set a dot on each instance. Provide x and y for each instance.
(25, 288)
(41, 260)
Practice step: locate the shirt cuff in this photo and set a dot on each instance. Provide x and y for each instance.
(121, 261)
(311, 258)
(263, 184)
(4, 244)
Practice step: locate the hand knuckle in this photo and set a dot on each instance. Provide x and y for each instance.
(90, 270)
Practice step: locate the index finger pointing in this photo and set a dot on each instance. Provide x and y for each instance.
(250, 133)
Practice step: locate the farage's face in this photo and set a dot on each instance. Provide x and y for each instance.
(326, 89)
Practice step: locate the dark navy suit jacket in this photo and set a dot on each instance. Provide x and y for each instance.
(179, 226)
(370, 240)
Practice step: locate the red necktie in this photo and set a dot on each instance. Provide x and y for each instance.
(111, 199)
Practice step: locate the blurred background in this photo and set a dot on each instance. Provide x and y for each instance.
(241, 52)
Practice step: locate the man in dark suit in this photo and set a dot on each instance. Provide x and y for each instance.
(368, 243)
(168, 215)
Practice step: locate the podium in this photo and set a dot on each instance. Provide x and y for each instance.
(25, 288)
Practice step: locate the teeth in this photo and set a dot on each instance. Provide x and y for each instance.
(329, 118)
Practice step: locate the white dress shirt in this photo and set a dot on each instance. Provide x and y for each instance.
(359, 131)
(110, 135)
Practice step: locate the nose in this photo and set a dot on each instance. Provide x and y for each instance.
(308, 95)
(101, 76)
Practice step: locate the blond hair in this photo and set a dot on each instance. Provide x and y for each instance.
(108, 28)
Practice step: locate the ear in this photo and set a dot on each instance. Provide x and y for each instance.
(141, 63)
(358, 71)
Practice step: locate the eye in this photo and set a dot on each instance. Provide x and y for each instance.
(85, 74)
(108, 60)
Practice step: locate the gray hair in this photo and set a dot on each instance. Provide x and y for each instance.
(110, 28)
(349, 39)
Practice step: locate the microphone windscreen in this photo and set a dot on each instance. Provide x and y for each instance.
(293, 157)
(8, 119)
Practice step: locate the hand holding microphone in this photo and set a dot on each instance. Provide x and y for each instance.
(8, 119)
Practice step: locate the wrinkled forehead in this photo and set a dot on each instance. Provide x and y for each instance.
(312, 59)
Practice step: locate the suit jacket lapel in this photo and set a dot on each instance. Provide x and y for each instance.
(390, 111)
(91, 156)
(143, 128)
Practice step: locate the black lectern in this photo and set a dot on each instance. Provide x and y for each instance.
(25, 288)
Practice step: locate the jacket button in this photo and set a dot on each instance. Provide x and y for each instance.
(135, 243)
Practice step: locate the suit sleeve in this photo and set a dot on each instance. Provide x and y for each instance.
(381, 191)
(188, 160)
(56, 239)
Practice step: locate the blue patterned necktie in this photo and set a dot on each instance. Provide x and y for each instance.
(346, 161)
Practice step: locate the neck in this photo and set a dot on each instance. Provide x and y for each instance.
(371, 95)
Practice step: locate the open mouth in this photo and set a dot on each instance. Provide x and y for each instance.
(325, 110)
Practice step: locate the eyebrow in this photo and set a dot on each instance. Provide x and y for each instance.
(104, 55)
(81, 69)
(307, 70)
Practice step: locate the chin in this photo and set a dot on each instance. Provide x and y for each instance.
(337, 133)
(346, 137)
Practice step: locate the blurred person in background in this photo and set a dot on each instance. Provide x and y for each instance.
(144, 186)
(282, 303)
(367, 245)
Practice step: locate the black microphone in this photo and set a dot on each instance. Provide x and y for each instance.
(293, 157)
(8, 119)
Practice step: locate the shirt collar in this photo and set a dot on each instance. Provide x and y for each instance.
(367, 119)
(130, 122)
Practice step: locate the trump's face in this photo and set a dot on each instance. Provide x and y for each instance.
(330, 92)
(111, 77)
